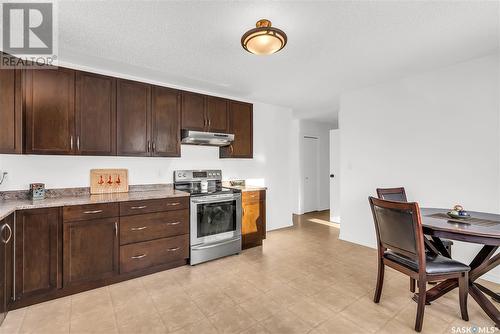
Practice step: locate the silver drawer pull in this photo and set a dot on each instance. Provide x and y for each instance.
(173, 249)
(174, 223)
(173, 204)
(138, 228)
(138, 207)
(92, 212)
(137, 257)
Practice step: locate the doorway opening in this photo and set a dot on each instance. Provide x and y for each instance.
(310, 172)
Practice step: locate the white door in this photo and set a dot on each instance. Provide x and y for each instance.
(310, 166)
(335, 176)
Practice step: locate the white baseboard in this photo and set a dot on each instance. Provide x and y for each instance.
(335, 219)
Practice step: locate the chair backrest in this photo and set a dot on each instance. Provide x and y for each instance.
(392, 194)
(399, 228)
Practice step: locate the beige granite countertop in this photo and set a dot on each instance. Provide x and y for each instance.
(246, 188)
(11, 205)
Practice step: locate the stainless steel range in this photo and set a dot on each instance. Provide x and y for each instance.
(215, 218)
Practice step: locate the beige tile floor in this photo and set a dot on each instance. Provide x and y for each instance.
(304, 280)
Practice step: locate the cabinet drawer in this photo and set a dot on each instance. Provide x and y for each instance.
(155, 205)
(151, 226)
(258, 195)
(90, 211)
(152, 253)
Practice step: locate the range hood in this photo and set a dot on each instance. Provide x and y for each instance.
(206, 138)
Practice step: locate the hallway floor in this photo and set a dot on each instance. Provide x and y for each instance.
(303, 280)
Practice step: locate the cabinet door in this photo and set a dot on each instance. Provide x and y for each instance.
(10, 111)
(241, 125)
(8, 238)
(95, 114)
(50, 111)
(38, 252)
(217, 116)
(90, 250)
(166, 114)
(133, 118)
(193, 111)
(252, 224)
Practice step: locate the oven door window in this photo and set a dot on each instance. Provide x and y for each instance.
(216, 218)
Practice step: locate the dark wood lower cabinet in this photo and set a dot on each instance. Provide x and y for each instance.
(62, 251)
(90, 250)
(38, 252)
(253, 227)
(6, 241)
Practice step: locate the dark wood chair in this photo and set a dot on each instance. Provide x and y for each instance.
(392, 194)
(399, 194)
(400, 241)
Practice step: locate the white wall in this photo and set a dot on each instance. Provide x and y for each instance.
(436, 134)
(274, 163)
(335, 170)
(320, 130)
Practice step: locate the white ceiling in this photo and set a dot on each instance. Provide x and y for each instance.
(333, 45)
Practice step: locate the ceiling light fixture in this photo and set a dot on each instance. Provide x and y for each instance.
(264, 39)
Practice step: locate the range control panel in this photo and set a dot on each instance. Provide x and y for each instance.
(197, 175)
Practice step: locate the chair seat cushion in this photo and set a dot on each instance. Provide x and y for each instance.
(435, 264)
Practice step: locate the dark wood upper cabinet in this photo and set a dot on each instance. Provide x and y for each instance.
(193, 112)
(217, 114)
(95, 114)
(10, 111)
(133, 118)
(50, 111)
(64, 111)
(166, 117)
(91, 250)
(241, 125)
(38, 256)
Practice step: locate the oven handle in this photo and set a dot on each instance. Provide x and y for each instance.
(216, 244)
(218, 200)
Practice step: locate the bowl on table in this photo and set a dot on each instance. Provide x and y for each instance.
(458, 212)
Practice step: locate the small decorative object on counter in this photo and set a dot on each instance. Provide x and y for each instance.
(237, 183)
(37, 191)
(458, 212)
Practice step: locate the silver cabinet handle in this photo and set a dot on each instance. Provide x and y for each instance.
(174, 223)
(93, 212)
(137, 257)
(138, 228)
(149, 146)
(154, 146)
(10, 234)
(173, 249)
(138, 207)
(173, 204)
(116, 229)
(78, 143)
(71, 142)
(209, 123)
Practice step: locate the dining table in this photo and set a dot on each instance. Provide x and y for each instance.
(478, 228)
